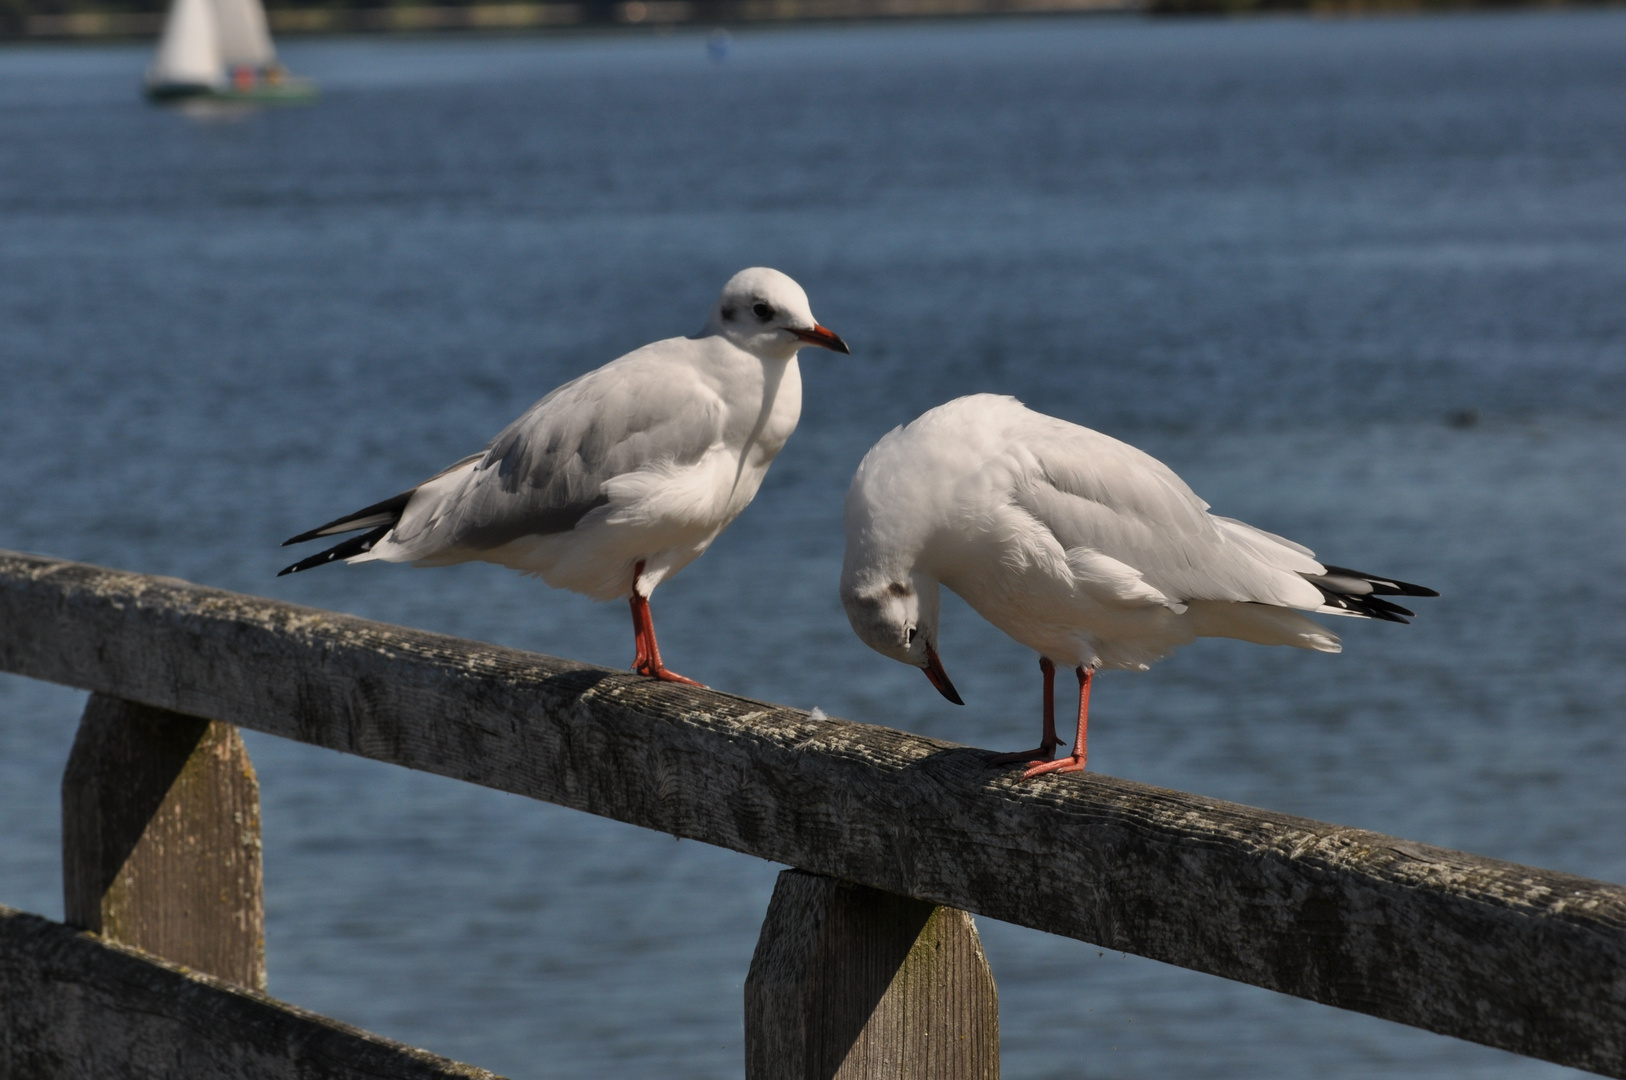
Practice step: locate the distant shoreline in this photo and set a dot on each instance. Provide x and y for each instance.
(520, 17)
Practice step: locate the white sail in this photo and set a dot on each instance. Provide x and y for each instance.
(245, 40)
(189, 50)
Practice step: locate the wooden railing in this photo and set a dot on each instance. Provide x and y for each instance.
(866, 956)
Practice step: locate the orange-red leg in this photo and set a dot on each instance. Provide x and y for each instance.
(1048, 742)
(647, 659)
(1075, 761)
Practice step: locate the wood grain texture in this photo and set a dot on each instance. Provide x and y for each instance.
(74, 1007)
(161, 838)
(1524, 959)
(851, 983)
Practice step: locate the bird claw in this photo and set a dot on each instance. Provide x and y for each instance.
(665, 674)
(1066, 764)
(1042, 754)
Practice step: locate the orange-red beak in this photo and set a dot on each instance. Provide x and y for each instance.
(824, 337)
(939, 677)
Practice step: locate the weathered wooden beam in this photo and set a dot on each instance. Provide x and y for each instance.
(851, 983)
(75, 1007)
(161, 839)
(1514, 957)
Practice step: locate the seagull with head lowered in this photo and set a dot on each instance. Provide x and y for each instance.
(1084, 549)
(621, 477)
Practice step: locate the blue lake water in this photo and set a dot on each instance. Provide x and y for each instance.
(1279, 254)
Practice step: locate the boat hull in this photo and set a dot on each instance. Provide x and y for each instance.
(287, 92)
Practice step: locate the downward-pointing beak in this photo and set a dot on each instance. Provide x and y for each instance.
(819, 335)
(939, 677)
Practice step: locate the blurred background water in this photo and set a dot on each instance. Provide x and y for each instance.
(1359, 282)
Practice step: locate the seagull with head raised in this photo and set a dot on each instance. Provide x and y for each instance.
(621, 477)
(1083, 548)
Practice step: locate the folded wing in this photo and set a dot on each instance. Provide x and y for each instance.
(546, 471)
(1099, 495)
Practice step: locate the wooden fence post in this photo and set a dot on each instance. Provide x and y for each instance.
(851, 983)
(161, 838)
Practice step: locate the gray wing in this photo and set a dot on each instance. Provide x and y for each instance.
(546, 471)
(1104, 496)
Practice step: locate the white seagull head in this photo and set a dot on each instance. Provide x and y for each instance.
(889, 582)
(765, 313)
(895, 613)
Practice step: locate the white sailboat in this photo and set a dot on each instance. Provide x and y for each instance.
(221, 50)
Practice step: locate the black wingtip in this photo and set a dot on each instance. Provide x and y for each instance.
(1382, 586)
(356, 545)
(1366, 605)
(367, 517)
